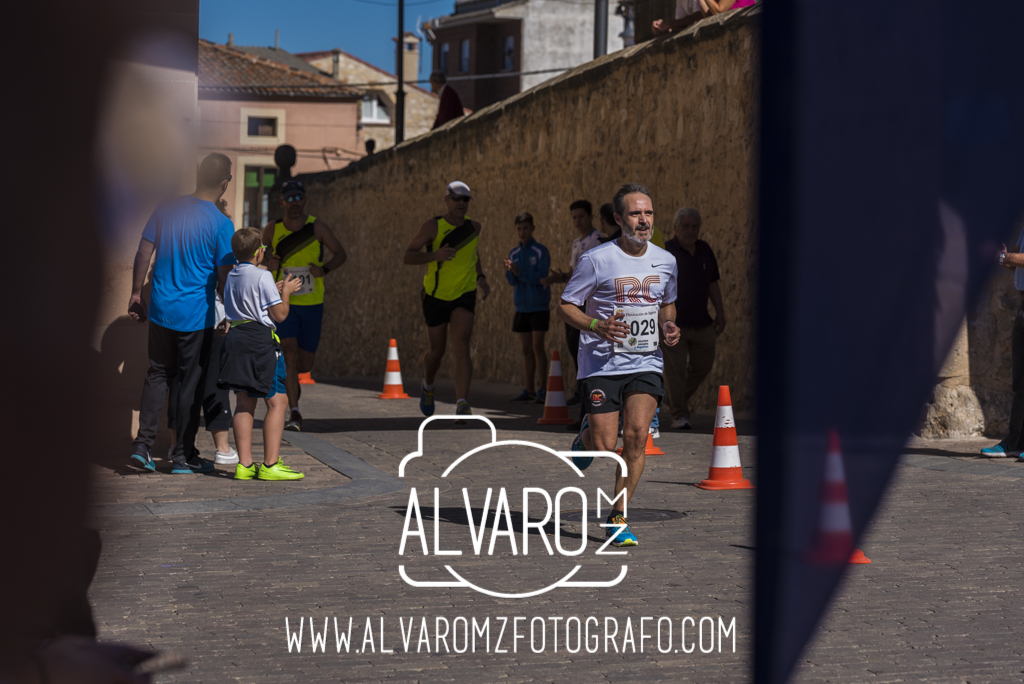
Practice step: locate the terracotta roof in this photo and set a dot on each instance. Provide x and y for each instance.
(309, 56)
(281, 57)
(228, 72)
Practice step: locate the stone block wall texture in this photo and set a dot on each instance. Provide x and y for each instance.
(678, 115)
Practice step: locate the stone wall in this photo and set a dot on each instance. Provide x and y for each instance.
(678, 115)
(973, 394)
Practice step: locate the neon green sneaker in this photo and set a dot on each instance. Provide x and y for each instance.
(462, 409)
(243, 473)
(279, 471)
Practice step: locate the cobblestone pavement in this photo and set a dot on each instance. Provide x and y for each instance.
(940, 603)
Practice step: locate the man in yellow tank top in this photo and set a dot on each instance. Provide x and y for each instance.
(296, 246)
(449, 291)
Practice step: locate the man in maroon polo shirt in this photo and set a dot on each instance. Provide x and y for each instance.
(690, 361)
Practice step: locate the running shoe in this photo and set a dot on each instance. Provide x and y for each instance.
(244, 473)
(998, 451)
(294, 422)
(623, 538)
(525, 397)
(141, 459)
(462, 409)
(426, 401)
(542, 395)
(655, 424)
(279, 471)
(193, 465)
(230, 458)
(681, 424)
(582, 462)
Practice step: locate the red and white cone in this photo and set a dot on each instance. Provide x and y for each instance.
(393, 388)
(726, 471)
(833, 544)
(555, 411)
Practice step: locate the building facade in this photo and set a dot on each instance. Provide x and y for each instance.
(507, 41)
(249, 105)
(377, 107)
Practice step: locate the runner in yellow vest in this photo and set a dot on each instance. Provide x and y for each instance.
(296, 246)
(449, 291)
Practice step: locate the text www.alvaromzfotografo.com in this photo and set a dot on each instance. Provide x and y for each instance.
(512, 634)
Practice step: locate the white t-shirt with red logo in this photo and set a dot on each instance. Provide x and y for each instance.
(607, 279)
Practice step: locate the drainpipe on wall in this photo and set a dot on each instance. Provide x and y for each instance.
(335, 63)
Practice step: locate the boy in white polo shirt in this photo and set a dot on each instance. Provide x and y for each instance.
(255, 304)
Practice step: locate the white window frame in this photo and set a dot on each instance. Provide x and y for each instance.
(238, 171)
(378, 102)
(261, 140)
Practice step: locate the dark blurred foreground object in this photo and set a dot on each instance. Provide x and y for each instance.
(927, 121)
(450, 105)
(49, 556)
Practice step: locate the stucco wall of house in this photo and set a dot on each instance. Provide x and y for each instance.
(679, 115)
(315, 129)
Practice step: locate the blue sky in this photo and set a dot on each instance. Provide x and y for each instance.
(363, 28)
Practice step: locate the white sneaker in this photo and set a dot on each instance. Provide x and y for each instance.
(229, 458)
(654, 432)
(681, 424)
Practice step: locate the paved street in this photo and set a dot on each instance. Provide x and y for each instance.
(211, 568)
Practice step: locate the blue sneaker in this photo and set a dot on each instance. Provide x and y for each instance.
(542, 395)
(998, 451)
(623, 538)
(582, 462)
(196, 465)
(462, 409)
(426, 401)
(142, 460)
(525, 397)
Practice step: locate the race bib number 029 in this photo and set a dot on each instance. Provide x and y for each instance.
(642, 337)
(303, 274)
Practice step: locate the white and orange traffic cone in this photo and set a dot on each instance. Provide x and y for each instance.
(393, 388)
(833, 544)
(726, 471)
(306, 379)
(555, 411)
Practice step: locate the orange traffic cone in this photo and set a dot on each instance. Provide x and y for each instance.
(834, 542)
(555, 412)
(649, 450)
(726, 471)
(393, 388)
(306, 379)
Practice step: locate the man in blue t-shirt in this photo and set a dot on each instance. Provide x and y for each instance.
(191, 239)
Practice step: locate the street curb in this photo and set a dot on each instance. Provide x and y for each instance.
(953, 465)
(366, 481)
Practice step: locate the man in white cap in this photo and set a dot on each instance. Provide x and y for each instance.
(449, 291)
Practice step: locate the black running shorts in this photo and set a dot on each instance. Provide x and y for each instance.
(604, 393)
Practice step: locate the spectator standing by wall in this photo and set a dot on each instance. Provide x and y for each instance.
(450, 105)
(191, 240)
(582, 214)
(688, 363)
(526, 266)
(1013, 443)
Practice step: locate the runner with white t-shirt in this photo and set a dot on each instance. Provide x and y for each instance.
(628, 288)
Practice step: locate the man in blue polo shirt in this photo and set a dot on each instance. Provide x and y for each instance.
(191, 239)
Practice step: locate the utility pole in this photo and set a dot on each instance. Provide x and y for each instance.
(399, 68)
(600, 27)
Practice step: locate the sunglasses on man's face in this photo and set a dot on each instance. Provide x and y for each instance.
(294, 198)
(461, 199)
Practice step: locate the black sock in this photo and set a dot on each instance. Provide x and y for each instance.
(612, 515)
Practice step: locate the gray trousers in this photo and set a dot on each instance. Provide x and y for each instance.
(1015, 436)
(687, 364)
